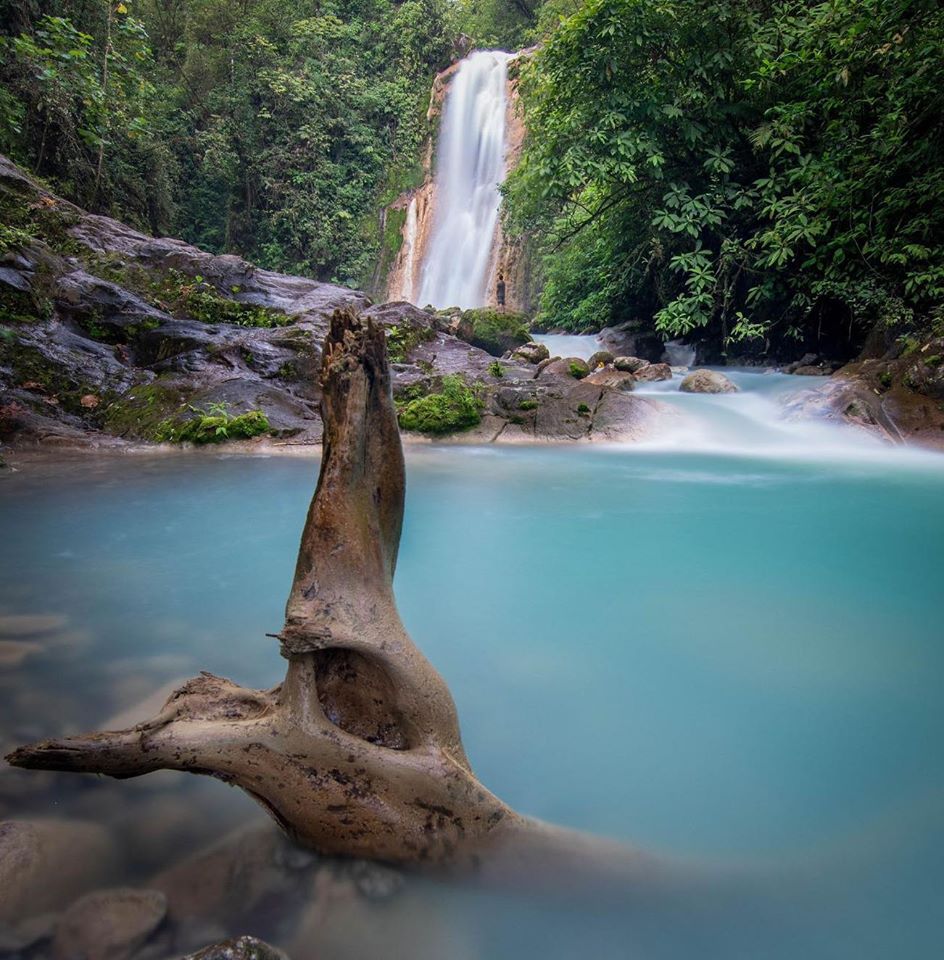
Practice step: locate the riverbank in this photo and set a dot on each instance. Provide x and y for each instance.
(110, 339)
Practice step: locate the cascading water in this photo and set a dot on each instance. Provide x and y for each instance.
(470, 167)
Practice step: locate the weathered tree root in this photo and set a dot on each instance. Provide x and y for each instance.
(357, 752)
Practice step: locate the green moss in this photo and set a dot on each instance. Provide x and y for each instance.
(496, 369)
(494, 331)
(885, 379)
(456, 407)
(577, 370)
(214, 425)
(528, 403)
(402, 341)
(583, 409)
(142, 411)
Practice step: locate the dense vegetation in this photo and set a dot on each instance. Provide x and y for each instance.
(738, 170)
(268, 129)
(766, 173)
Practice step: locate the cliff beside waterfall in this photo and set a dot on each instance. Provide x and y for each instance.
(412, 215)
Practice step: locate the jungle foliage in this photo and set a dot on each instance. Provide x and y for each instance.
(738, 170)
(267, 129)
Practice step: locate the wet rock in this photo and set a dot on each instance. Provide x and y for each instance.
(654, 371)
(531, 352)
(707, 381)
(627, 340)
(566, 367)
(600, 359)
(618, 379)
(237, 879)
(109, 924)
(238, 948)
(45, 864)
(630, 364)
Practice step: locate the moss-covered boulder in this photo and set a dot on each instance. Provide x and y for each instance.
(492, 330)
(456, 406)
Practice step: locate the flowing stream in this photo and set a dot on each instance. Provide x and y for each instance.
(470, 166)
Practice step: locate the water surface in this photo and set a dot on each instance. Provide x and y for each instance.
(734, 657)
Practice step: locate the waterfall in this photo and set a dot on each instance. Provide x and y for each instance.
(469, 168)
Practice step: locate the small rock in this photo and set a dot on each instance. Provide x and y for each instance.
(109, 924)
(630, 364)
(618, 379)
(600, 359)
(568, 367)
(238, 948)
(89, 401)
(531, 352)
(707, 381)
(654, 371)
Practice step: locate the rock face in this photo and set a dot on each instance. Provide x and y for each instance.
(110, 335)
(707, 381)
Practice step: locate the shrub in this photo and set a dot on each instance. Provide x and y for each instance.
(496, 369)
(455, 407)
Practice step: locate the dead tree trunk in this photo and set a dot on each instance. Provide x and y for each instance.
(358, 751)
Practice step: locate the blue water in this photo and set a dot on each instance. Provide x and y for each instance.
(732, 658)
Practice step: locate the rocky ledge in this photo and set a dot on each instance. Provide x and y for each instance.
(110, 336)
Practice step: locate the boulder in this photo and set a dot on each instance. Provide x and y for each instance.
(627, 340)
(630, 364)
(531, 352)
(109, 924)
(600, 359)
(618, 379)
(654, 371)
(707, 381)
(565, 367)
(45, 864)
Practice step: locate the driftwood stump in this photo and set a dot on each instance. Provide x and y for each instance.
(357, 752)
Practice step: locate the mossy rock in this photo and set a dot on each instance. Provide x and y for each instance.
(143, 412)
(494, 331)
(215, 425)
(455, 407)
(403, 339)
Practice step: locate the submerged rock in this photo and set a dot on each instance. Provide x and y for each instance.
(45, 864)
(707, 381)
(108, 924)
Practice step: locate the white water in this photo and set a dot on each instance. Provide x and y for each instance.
(470, 166)
(757, 421)
(580, 345)
(409, 253)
